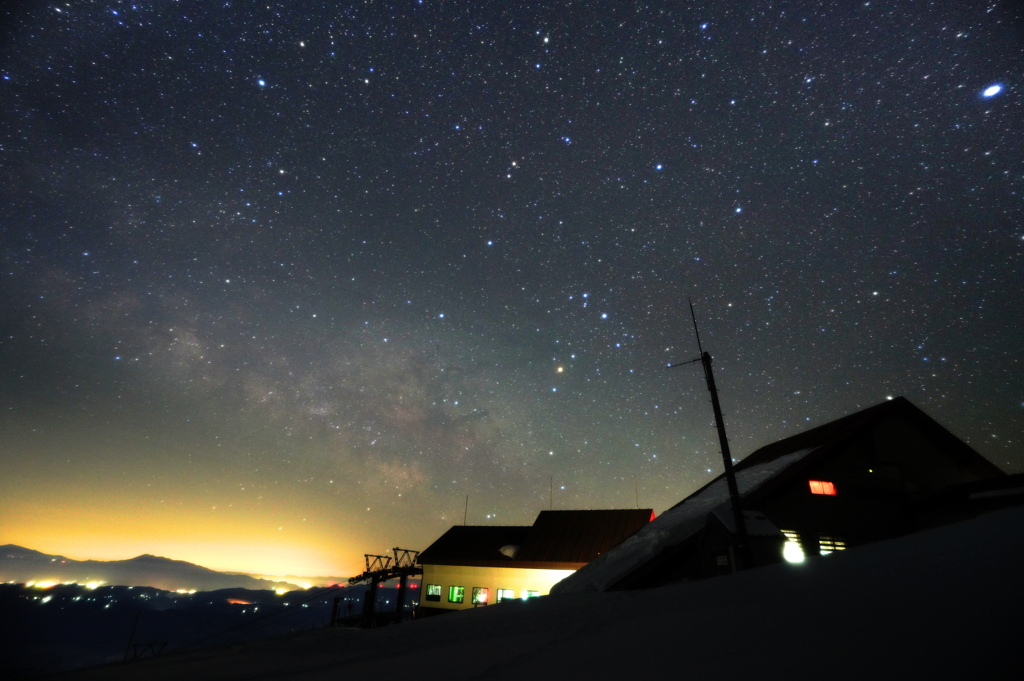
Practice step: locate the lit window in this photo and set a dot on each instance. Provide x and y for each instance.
(828, 543)
(822, 487)
(530, 594)
(433, 592)
(480, 595)
(506, 595)
(456, 594)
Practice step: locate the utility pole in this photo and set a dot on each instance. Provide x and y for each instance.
(730, 474)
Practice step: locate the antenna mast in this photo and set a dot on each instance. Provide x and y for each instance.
(730, 473)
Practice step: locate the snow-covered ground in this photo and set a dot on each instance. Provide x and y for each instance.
(941, 604)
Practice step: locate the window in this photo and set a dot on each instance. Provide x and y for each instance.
(822, 487)
(480, 595)
(827, 543)
(456, 594)
(433, 592)
(530, 594)
(506, 595)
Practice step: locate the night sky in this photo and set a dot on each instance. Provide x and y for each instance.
(284, 282)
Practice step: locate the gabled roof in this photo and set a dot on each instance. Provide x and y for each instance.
(473, 545)
(556, 540)
(825, 438)
(579, 536)
(821, 442)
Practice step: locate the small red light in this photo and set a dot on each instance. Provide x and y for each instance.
(822, 487)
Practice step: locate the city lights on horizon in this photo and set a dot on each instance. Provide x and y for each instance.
(50, 583)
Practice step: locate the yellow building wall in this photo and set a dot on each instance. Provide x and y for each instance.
(519, 580)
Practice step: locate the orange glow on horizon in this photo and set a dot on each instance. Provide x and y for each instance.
(263, 561)
(231, 542)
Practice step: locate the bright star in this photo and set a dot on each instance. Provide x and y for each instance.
(261, 82)
(992, 90)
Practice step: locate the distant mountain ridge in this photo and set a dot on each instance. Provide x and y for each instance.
(20, 564)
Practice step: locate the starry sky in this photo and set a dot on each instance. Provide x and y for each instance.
(284, 283)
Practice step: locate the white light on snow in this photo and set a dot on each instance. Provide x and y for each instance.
(792, 552)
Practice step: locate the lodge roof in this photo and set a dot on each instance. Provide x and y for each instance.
(825, 438)
(756, 475)
(557, 539)
(822, 441)
(580, 536)
(470, 544)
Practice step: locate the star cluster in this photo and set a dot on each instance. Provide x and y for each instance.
(283, 284)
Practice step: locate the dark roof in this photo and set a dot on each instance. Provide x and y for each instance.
(473, 544)
(579, 536)
(557, 539)
(825, 438)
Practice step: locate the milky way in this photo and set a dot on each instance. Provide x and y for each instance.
(284, 284)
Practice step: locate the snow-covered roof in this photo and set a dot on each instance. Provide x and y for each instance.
(755, 522)
(672, 528)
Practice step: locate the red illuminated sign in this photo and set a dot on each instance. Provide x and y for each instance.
(822, 487)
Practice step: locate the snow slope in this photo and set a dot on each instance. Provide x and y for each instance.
(940, 604)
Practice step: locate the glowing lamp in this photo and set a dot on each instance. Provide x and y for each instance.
(792, 552)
